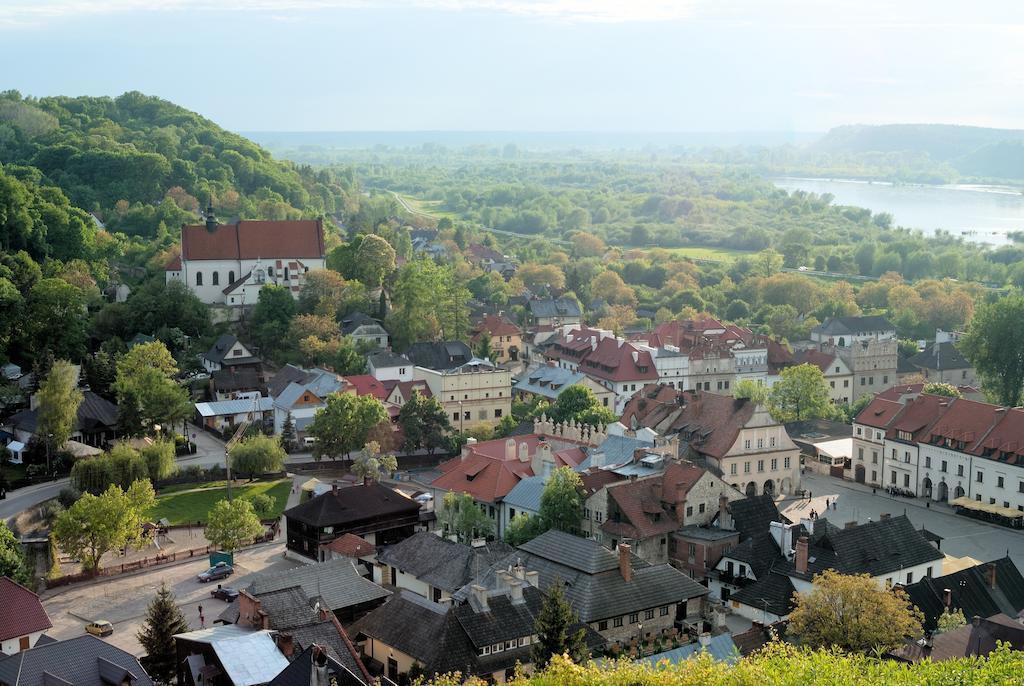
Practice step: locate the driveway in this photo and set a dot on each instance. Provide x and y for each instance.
(123, 600)
(962, 536)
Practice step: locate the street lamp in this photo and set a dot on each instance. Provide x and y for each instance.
(640, 640)
(49, 440)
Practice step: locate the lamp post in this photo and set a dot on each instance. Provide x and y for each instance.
(640, 640)
(49, 441)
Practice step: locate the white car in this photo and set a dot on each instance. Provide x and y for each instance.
(802, 268)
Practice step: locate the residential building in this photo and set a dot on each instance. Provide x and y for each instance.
(735, 438)
(548, 381)
(838, 375)
(234, 382)
(370, 510)
(439, 355)
(228, 264)
(942, 362)
(555, 312)
(313, 662)
(979, 591)
(506, 339)
(22, 617)
(978, 638)
(615, 592)
(868, 346)
(225, 415)
(237, 655)
(303, 395)
(435, 567)
(869, 429)
(473, 393)
(96, 422)
(81, 661)
(229, 352)
(845, 331)
(385, 365)
(364, 329)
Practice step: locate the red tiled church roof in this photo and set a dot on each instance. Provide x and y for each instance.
(249, 240)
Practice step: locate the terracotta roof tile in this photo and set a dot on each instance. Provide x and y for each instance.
(249, 240)
(350, 545)
(21, 612)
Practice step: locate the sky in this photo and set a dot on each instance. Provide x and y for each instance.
(532, 65)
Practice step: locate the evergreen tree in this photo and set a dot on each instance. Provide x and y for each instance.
(554, 628)
(163, 620)
(288, 433)
(483, 347)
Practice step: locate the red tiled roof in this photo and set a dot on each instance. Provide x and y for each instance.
(481, 252)
(878, 413)
(1005, 442)
(613, 361)
(368, 385)
(643, 515)
(21, 612)
(822, 361)
(350, 545)
(249, 240)
(917, 415)
(968, 421)
(174, 264)
(496, 325)
(596, 479)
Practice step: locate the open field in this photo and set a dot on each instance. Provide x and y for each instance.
(182, 507)
(716, 254)
(432, 208)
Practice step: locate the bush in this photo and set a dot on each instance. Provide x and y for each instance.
(50, 510)
(68, 496)
(263, 504)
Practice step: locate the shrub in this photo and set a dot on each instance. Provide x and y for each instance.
(68, 496)
(263, 504)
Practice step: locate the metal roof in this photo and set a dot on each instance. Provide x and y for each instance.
(226, 407)
(248, 657)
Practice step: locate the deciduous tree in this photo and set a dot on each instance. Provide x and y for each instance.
(561, 502)
(12, 559)
(462, 517)
(57, 405)
(993, 345)
(96, 525)
(257, 455)
(232, 523)
(424, 423)
(579, 404)
(371, 464)
(801, 393)
(344, 423)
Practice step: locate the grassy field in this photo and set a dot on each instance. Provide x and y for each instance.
(192, 506)
(717, 254)
(431, 207)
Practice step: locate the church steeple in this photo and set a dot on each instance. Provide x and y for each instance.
(211, 218)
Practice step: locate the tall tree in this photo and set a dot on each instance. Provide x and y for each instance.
(145, 377)
(556, 629)
(272, 318)
(424, 423)
(579, 404)
(853, 613)
(232, 523)
(159, 459)
(95, 525)
(163, 621)
(461, 517)
(55, 319)
(561, 502)
(343, 424)
(801, 393)
(257, 455)
(375, 259)
(371, 464)
(57, 402)
(12, 560)
(483, 347)
(993, 345)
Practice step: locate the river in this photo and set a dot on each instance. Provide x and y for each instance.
(981, 214)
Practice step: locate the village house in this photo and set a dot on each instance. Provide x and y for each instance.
(95, 425)
(942, 362)
(385, 365)
(548, 381)
(364, 329)
(225, 415)
(300, 394)
(555, 312)
(228, 264)
(82, 661)
(472, 391)
(228, 352)
(23, 619)
(978, 591)
(234, 382)
(838, 376)
(868, 346)
(506, 339)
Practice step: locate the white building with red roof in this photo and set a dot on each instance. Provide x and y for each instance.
(228, 264)
(22, 617)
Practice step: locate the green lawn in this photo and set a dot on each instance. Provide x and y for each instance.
(431, 207)
(182, 508)
(718, 254)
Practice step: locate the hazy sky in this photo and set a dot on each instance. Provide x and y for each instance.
(547, 65)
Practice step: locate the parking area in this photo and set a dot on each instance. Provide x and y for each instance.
(123, 600)
(962, 536)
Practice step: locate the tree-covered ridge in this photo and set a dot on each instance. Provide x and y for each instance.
(779, 665)
(139, 162)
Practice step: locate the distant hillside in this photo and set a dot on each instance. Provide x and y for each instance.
(138, 162)
(972, 150)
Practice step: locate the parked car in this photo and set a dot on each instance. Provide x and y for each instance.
(100, 627)
(221, 570)
(224, 593)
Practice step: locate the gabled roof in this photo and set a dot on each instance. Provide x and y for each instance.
(365, 384)
(351, 545)
(248, 657)
(350, 323)
(759, 552)
(286, 375)
(218, 353)
(300, 672)
(973, 639)
(237, 379)
(81, 661)
(822, 361)
(548, 381)
(353, 506)
(496, 325)
(754, 515)
(21, 612)
(442, 563)
(878, 413)
(642, 504)
(562, 307)
(840, 326)
(940, 356)
(94, 413)
(571, 551)
(439, 356)
(385, 359)
(336, 582)
(773, 593)
(250, 240)
(972, 591)
(614, 360)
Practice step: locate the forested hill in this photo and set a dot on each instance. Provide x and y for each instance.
(971, 150)
(137, 162)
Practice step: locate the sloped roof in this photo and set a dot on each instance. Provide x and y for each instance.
(838, 326)
(382, 359)
(720, 648)
(822, 361)
(350, 323)
(94, 413)
(754, 515)
(237, 379)
(219, 351)
(773, 593)
(940, 356)
(878, 413)
(526, 494)
(496, 325)
(350, 545)
(966, 641)
(367, 385)
(759, 552)
(548, 382)
(220, 408)
(286, 375)
(21, 612)
(344, 507)
(971, 590)
(250, 240)
(81, 661)
(562, 307)
(247, 657)
(442, 563)
(336, 582)
(300, 671)
(439, 356)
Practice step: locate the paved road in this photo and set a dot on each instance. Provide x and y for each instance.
(24, 498)
(963, 536)
(123, 600)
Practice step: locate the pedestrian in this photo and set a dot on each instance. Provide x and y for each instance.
(834, 504)
(202, 621)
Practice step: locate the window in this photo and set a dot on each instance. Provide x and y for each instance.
(602, 625)
(617, 621)
(910, 577)
(691, 551)
(771, 442)
(906, 481)
(785, 462)
(999, 482)
(467, 415)
(231, 277)
(871, 380)
(1020, 486)
(689, 510)
(927, 462)
(497, 413)
(846, 383)
(893, 478)
(270, 271)
(522, 641)
(775, 463)
(760, 443)
(874, 476)
(874, 457)
(648, 614)
(906, 456)
(732, 469)
(862, 381)
(980, 477)
(664, 611)
(509, 645)
(885, 380)
(486, 650)
(944, 468)
(199, 278)
(746, 444)
(760, 465)
(831, 384)
(634, 618)
(598, 515)
(860, 453)
(455, 416)
(700, 508)
(959, 470)
(746, 468)
(216, 279)
(498, 648)
(928, 572)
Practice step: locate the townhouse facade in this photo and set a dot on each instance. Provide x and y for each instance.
(867, 345)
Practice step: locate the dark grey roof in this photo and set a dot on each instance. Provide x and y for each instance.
(875, 548)
(352, 505)
(971, 590)
(759, 552)
(287, 608)
(839, 326)
(336, 581)
(237, 379)
(601, 593)
(299, 672)
(96, 413)
(773, 593)
(439, 355)
(351, 322)
(220, 350)
(940, 356)
(562, 307)
(82, 661)
(288, 374)
(385, 358)
(411, 624)
(754, 515)
(442, 563)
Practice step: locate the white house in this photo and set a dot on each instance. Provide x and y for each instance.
(228, 264)
(303, 399)
(385, 365)
(23, 619)
(228, 351)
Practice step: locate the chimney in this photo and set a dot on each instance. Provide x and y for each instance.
(849, 525)
(524, 452)
(976, 621)
(504, 579)
(480, 593)
(286, 644)
(990, 574)
(264, 620)
(543, 462)
(947, 598)
(625, 563)
(705, 639)
(883, 516)
(519, 571)
(801, 555)
(249, 609)
(533, 578)
(515, 591)
(510, 449)
(724, 520)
